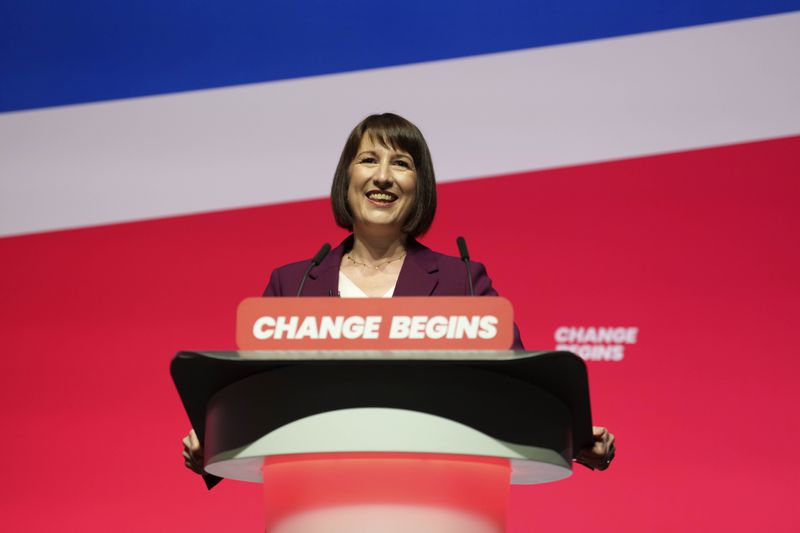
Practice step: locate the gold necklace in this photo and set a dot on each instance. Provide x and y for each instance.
(379, 265)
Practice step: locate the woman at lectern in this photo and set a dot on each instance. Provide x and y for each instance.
(384, 191)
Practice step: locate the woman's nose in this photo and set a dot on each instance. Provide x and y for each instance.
(383, 175)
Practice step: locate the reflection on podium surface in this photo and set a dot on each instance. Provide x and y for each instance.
(386, 492)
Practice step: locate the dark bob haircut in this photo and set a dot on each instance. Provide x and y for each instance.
(397, 133)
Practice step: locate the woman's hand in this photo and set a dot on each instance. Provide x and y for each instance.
(600, 455)
(193, 453)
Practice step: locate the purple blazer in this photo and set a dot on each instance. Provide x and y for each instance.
(424, 273)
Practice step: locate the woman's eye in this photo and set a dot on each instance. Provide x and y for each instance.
(367, 160)
(402, 163)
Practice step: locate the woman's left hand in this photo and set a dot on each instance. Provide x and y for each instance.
(600, 455)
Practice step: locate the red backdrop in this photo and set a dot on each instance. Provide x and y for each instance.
(698, 250)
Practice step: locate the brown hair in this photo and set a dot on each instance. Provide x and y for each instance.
(391, 131)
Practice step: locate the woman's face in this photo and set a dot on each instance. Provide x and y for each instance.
(382, 186)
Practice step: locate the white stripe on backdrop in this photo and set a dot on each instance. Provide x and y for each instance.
(275, 142)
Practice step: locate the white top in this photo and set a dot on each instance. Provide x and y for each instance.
(348, 289)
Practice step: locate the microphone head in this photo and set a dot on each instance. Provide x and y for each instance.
(462, 248)
(321, 254)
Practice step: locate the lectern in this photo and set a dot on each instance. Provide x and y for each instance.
(264, 413)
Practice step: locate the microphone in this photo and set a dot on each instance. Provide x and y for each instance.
(315, 261)
(462, 250)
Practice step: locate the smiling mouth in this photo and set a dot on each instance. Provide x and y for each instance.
(382, 198)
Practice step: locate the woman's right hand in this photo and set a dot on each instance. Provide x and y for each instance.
(193, 453)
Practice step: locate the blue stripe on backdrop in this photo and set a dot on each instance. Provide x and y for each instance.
(55, 53)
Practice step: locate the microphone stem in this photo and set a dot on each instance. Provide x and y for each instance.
(469, 277)
(305, 277)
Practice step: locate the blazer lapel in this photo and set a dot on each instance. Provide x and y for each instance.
(419, 275)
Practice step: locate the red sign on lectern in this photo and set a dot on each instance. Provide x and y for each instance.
(402, 323)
